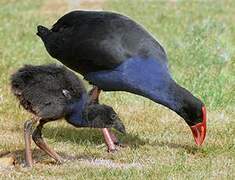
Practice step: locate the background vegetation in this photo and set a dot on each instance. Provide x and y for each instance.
(199, 38)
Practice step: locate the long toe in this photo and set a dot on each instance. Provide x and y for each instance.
(61, 161)
(113, 150)
(119, 144)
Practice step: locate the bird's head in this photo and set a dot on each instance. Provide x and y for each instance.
(194, 113)
(94, 115)
(100, 115)
(103, 116)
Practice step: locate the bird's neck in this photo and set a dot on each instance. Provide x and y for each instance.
(75, 111)
(174, 97)
(149, 78)
(166, 93)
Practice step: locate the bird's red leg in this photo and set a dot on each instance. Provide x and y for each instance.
(27, 138)
(115, 139)
(94, 94)
(37, 137)
(110, 139)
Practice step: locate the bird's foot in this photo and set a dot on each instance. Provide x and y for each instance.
(60, 161)
(120, 145)
(117, 146)
(112, 150)
(113, 144)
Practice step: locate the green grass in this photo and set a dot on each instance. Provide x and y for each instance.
(200, 42)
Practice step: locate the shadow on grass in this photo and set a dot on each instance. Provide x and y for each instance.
(41, 157)
(189, 149)
(94, 136)
(85, 136)
(89, 136)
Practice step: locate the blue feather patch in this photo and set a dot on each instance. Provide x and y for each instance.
(76, 109)
(146, 77)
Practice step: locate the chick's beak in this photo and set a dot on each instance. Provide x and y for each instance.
(119, 126)
(199, 130)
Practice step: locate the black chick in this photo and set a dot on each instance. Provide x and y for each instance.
(52, 92)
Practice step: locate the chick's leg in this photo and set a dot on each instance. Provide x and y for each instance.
(37, 137)
(27, 137)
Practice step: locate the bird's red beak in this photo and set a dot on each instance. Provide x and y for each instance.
(199, 130)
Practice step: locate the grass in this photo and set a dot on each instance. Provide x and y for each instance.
(199, 38)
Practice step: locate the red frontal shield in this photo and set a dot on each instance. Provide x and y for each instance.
(199, 130)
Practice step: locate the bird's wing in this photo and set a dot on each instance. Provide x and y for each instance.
(41, 89)
(95, 41)
(116, 40)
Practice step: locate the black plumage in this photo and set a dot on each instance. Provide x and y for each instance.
(115, 53)
(40, 89)
(89, 41)
(52, 91)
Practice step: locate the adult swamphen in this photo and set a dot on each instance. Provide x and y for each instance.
(52, 92)
(114, 53)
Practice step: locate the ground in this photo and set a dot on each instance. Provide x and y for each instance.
(199, 40)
